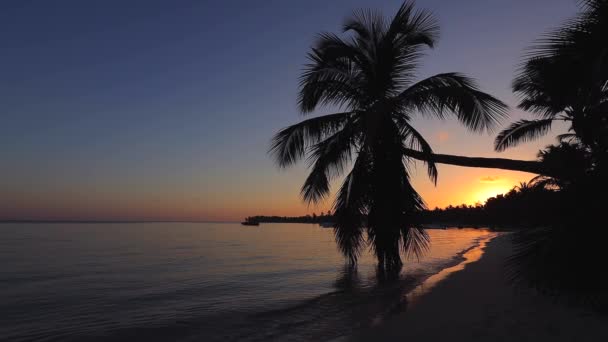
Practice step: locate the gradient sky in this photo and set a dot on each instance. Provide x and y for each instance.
(164, 109)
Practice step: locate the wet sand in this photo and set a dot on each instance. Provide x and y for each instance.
(478, 303)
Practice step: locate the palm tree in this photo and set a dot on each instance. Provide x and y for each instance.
(566, 78)
(569, 161)
(524, 187)
(370, 75)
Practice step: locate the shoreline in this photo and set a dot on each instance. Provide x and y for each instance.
(468, 256)
(424, 285)
(475, 302)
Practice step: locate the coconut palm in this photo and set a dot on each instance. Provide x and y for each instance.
(369, 74)
(570, 162)
(565, 78)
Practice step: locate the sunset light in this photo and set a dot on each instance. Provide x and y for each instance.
(491, 190)
(349, 170)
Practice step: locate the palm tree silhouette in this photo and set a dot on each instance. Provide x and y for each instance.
(369, 75)
(565, 77)
(524, 187)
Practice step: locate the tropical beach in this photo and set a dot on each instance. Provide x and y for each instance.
(493, 309)
(304, 171)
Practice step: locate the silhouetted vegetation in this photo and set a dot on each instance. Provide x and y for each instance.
(565, 77)
(534, 203)
(314, 218)
(370, 74)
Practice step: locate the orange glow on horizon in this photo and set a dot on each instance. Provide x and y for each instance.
(456, 186)
(481, 195)
(468, 189)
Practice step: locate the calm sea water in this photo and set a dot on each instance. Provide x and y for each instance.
(197, 281)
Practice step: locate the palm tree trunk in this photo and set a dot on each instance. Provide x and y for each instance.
(492, 163)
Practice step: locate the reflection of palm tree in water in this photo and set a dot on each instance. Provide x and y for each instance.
(369, 303)
(348, 279)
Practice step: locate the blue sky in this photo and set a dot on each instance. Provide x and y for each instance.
(164, 109)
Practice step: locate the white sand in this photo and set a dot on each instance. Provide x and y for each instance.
(479, 304)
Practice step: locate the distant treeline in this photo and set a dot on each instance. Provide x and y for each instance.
(314, 218)
(524, 206)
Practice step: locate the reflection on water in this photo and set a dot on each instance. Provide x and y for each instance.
(348, 279)
(178, 281)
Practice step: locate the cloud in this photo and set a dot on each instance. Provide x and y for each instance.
(443, 136)
(489, 179)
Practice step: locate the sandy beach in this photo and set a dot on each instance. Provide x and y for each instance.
(479, 304)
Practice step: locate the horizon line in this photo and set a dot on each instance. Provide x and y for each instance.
(114, 221)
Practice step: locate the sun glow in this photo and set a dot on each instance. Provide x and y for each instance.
(489, 190)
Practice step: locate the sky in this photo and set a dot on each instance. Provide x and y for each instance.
(164, 110)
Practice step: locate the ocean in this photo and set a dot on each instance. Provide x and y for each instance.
(198, 281)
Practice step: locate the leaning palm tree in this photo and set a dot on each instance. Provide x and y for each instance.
(369, 74)
(565, 78)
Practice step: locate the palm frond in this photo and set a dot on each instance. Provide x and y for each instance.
(579, 36)
(328, 159)
(410, 27)
(567, 64)
(327, 80)
(402, 46)
(291, 143)
(545, 182)
(567, 137)
(412, 201)
(334, 49)
(416, 241)
(414, 140)
(350, 210)
(521, 131)
(454, 93)
(546, 86)
(358, 22)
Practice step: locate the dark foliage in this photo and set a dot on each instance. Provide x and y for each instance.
(533, 203)
(565, 77)
(314, 218)
(370, 73)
